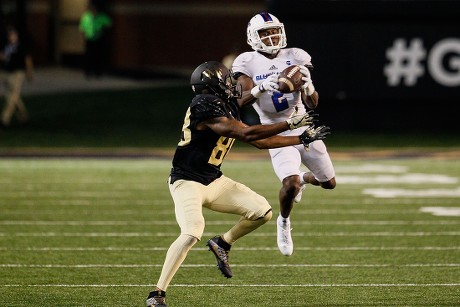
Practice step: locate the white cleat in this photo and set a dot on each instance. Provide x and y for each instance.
(285, 244)
(298, 197)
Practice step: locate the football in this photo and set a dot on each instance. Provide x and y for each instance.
(290, 79)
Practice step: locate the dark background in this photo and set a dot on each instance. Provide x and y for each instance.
(348, 41)
(155, 39)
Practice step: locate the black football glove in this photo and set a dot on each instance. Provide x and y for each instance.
(313, 134)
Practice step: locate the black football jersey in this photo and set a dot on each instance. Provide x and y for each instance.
(200, 153)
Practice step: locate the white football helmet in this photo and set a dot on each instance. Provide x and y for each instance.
(265, 21)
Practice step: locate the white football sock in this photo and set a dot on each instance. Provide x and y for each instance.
(301, 178)
(283, 220)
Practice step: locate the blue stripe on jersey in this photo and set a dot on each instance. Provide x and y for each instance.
(266, 16)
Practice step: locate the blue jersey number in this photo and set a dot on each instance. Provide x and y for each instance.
(280, 102)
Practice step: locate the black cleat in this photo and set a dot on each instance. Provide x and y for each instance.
(221, 257)
(156, 299)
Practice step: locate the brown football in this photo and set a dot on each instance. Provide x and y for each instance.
(290, 79)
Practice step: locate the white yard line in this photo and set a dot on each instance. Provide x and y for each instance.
(298, 211)
(86, 266)
(134, 249)
(206, 234)
(221, 222)
(413, 193)
(238, 285)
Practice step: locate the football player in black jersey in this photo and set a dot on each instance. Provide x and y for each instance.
(211, 125)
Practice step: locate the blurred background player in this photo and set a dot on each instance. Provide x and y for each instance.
(94, 24)
(211, 125)
(257, 72)
(16, 66)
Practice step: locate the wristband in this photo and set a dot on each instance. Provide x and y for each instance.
(306, 146)
(256, 92)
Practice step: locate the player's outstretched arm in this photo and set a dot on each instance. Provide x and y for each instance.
(238, 130)
(276, 141)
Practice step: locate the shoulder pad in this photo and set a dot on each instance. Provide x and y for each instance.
(239, 64)
(204, 107)
(301, 55)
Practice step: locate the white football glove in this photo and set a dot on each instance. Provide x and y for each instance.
(307, 86)
(296, 121)
(305, 71)
(269, 84)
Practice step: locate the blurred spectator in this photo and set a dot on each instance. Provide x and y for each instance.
(93, 25)
(16, 64)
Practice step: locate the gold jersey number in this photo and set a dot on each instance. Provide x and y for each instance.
(219, 152)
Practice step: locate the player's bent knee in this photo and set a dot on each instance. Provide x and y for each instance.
(291, 185)
(195, 229)
(329, 185)
(195, 236)
(267, 217)
(258, 207)
(189, 240)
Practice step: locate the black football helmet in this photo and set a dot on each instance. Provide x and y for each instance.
(214, 78)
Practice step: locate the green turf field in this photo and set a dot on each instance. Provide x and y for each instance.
(94, 232)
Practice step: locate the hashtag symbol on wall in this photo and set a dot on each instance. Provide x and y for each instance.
(405, 62)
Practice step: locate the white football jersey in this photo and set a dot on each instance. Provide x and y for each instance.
(273, 107)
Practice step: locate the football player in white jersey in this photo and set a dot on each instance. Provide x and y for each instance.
(257, 72)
